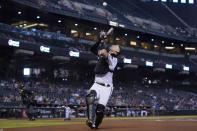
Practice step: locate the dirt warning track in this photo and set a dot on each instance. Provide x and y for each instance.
(121, 125)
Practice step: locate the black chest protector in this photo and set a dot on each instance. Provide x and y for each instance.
(102, 67)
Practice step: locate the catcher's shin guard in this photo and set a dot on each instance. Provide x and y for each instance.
(100, 112)
(90, 101)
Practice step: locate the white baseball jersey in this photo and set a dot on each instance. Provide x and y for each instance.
(67, 112)
(104, 92)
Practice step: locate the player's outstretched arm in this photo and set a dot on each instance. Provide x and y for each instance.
(102, 36)
(94, 48)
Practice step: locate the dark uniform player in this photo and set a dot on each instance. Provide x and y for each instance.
(102, 88)
(28, 100)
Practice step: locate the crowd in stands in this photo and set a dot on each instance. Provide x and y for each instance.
(164, 98)
(137, 96)
(132, 13)
(41, 37)
(82, 45)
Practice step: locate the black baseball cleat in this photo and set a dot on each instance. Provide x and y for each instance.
(94, 127)
(89, 124)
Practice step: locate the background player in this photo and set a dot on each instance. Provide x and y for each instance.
(28, 99)
(102, 88)
(67, 111)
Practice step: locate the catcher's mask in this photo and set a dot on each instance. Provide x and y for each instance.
(115, 50)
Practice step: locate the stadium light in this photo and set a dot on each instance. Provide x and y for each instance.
(169, 47)
(191, 1)
(155, 46)
(113, 23)
(74, 54)
(163, 42)
(19, 12)
(133, 43)
(125, 34)
(185, 68)
(76, 24)
(26, 72)
(73, 31)
(13, 43)
(190, 48)
(152, 39)
(163, 0)
(138, 36)
(88, 34)
(182, 45)
(149, 63)
(175, 1)
(38, 17)
(183, 1)
(168, 66)
(59, 21)
(44, 49)
(127, 61)
(95, 28)
(117, 38)
(149, 81)
(121, 25)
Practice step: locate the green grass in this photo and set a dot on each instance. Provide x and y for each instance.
(37, 123)
(13, 123)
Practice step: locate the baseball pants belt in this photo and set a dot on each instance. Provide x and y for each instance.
(103, 84)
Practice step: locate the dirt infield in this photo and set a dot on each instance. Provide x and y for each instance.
(122, 125)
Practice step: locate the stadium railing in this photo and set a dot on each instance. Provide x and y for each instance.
(80, 111)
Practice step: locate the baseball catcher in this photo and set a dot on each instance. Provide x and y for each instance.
(27, 98)
(101, 90)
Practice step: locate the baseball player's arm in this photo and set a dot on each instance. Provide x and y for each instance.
(103, 35)
(94, 48)
(103, 53)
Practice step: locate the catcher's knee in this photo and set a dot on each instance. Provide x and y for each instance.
(100, 110)
(91, 97)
